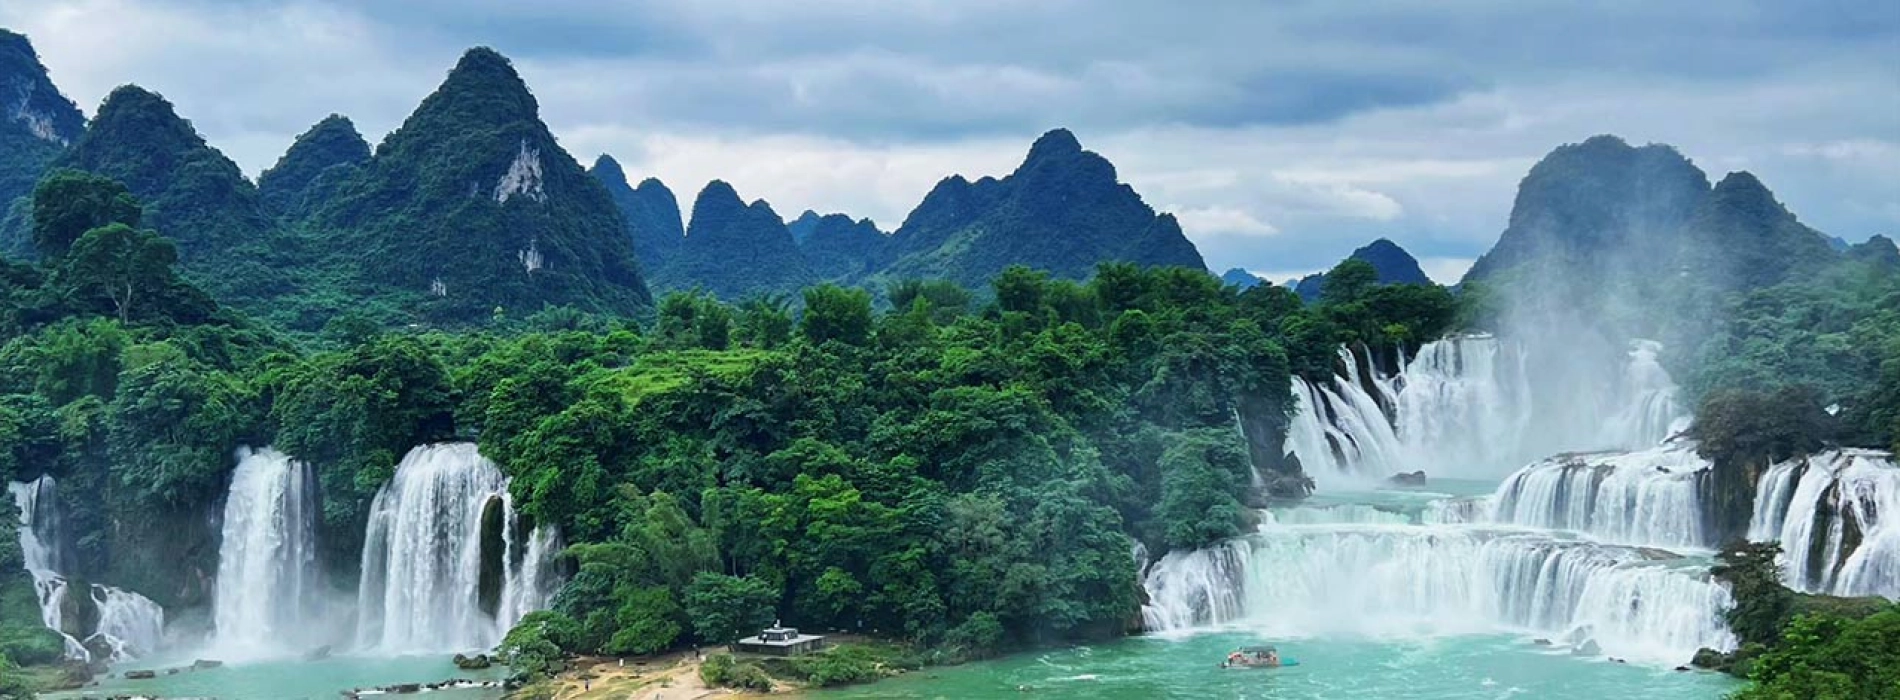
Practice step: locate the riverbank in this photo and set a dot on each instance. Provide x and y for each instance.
(673, 676)
(849, 660)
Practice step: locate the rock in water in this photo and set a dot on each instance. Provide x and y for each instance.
(140, 675)
(472, 663)
(1412, 479)
(1710, 659)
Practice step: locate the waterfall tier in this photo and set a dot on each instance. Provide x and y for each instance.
(446, 563)
(268, 585)
(1412, 581)
(127, 625)
(1837, 517)
(1472, 406)
(1649, 497)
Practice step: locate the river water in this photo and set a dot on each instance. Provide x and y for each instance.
(1463, 667)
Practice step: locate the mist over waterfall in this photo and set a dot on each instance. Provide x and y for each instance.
(1837, 517)
(127, 624)
(1387, 581)
(1477, 406)
(425, 576)
(1602, 550)
(268, 587)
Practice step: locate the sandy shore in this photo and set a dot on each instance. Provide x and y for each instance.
(667, 677)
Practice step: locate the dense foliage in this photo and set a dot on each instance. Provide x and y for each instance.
(1795, 645)
(972, 476)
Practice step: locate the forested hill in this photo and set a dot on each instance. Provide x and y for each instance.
(1626, 241)
(1636, 239)
(472, 206)
(1062, 210)
(318, 162)
(1391, 262)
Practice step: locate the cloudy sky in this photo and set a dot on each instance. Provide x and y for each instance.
(1284, 134)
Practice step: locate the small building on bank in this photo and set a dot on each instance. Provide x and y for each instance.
(779, 640)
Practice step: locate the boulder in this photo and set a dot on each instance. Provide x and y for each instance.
(1710, 659)
(1408, 479)
(140, 675)
(405, 688)
(1540, 641)
(203, 664)
(472, 663)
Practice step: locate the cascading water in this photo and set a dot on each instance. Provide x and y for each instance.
(1471, 406)
(268, 587)
(38, 535)
(1648, 497)
(1388, 581)
(1837, 517)
(1564, 548)
(423, 563)
(128, 625)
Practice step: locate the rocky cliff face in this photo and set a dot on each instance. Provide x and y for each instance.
(36, 124)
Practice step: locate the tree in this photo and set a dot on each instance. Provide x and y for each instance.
(1348, 282)
(724, 608)
(122, 264)
(836, 313)
(68, 203)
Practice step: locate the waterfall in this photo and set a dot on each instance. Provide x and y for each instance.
(129, 625)
(1472, 406)
(1463, 398)
(1837, 517)
(425, 569)
(1388, 581)
(39, 537)
(268, 586)
(1647, 497)
(1188, 588)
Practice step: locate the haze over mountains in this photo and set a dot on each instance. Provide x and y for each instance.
(472, 209)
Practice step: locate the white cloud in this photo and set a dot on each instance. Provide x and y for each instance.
(796, 173)
(1445, 270)
(1222, 221)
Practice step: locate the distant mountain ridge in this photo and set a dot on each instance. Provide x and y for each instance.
(1062, 210)
(1394, 265)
